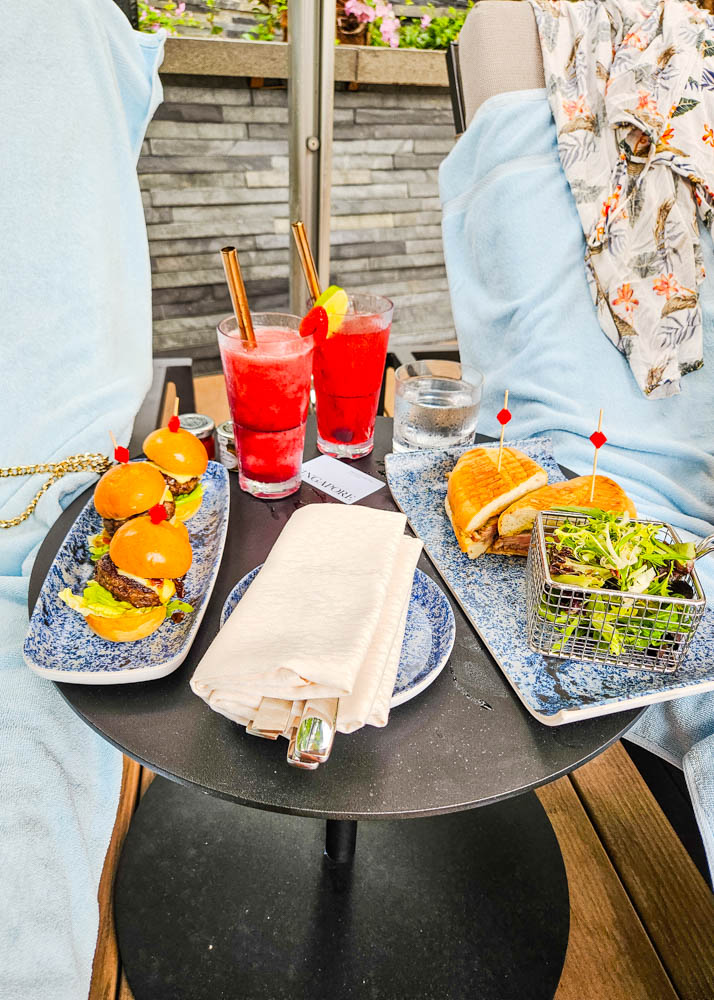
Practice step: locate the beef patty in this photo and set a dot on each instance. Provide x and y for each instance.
(121, 587)
(179, 489)
(112, 524)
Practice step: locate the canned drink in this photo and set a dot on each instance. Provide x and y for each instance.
(202, 427)
(226, 445)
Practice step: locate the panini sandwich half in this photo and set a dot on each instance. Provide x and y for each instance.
(516, 522)
(478, 491)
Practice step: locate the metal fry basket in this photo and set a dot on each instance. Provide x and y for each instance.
(641, 631)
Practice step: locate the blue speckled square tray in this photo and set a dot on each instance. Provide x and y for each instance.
(61, 647)
(491, 592)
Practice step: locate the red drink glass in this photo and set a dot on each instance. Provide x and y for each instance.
(348, 370)
(268, 390)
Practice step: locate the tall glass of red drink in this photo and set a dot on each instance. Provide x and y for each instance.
(268, 392)
(348, 370)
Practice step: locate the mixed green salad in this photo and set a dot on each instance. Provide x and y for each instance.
(612, 552)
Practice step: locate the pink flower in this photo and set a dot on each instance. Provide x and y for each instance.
(362, 11)
(180, 9)
(425, 21)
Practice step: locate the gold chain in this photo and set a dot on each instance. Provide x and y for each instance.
(89, 461)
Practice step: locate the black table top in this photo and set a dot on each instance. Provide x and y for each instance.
(465, 741)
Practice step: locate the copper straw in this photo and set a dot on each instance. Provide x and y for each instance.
(306, 259)
(238, 295)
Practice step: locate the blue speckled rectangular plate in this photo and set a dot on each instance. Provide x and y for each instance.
(491, 592)
(61, 647)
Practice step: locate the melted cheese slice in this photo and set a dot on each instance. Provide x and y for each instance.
(164, 589)
(172, 475)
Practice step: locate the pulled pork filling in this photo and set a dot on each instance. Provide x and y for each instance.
(487, 532)
(516, 545)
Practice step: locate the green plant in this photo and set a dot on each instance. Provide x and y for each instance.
(210, 16)
(432, 32)
(171, 16)
(269, 20)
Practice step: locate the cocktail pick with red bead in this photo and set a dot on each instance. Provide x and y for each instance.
(158, 513)
(121, 454)
(598, 439)
(174, 422)
(503, 416)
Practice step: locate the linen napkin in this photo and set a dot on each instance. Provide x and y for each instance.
(324, 618)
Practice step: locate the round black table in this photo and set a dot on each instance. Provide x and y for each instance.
(213, 900)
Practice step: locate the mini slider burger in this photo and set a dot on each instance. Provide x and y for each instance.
(182, 460)
(139, 582)
(127, 490)
(516, 522)
(478, 491)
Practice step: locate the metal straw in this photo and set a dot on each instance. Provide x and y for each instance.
(306, 259)
(238, 295)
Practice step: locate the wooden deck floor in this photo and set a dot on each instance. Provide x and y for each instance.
(642, 917)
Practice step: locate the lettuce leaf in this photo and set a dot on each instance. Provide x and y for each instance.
(97, 548)
(195, 494)
(96, 600)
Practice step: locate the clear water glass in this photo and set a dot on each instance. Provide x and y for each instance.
(436, 404)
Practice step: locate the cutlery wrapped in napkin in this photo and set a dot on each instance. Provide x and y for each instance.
(324, 618)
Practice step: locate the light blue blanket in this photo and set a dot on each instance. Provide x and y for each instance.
(77, 88)
(524, 315)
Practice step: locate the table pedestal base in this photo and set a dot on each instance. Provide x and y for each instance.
(217, 900)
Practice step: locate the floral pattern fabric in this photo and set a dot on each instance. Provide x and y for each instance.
(631, 87)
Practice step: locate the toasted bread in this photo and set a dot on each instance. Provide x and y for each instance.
(519, 517)
(478, 491)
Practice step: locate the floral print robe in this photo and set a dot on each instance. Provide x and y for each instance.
(631, 87)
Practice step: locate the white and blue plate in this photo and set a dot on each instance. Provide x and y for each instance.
(491, 592)
(61, 647)
(428, 637)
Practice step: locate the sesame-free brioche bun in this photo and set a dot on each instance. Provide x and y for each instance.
(129, 627)
(126, 490)
(188, 508)
(152, 551)
(179, 452)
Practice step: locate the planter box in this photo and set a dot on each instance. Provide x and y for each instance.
(353, 63)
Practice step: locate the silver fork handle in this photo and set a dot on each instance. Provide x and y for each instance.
(704, 547)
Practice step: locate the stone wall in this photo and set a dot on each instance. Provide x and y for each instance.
(214, 170)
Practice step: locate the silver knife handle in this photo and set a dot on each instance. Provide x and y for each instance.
(316, 730)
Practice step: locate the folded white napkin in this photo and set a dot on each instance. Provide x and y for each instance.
(324, 618)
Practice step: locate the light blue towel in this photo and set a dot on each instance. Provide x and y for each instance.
(523, 313)
(77, 88)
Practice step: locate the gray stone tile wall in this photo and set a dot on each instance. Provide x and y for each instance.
(214, 170)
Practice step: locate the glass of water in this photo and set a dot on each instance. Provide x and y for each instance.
(436, 404)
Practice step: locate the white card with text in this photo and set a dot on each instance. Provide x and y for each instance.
(339, 480)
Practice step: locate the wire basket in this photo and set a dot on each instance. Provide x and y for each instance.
(643, 631)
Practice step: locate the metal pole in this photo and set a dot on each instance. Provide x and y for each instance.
(311, 82)
(340, 840)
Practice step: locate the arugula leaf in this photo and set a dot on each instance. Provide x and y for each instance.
(175, 605)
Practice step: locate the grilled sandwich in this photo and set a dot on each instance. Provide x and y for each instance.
(516, 522)
(478, 492)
